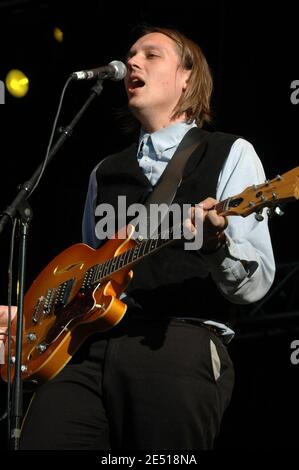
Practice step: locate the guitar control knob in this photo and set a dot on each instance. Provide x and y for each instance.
(31, 337)
(41, 347)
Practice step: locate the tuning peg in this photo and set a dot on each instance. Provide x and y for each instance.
(278, 211)
(259, 216)
(275, 211)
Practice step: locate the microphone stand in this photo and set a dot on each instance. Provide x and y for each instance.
(21, 209)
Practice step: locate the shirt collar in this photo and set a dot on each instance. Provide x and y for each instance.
(167, 137)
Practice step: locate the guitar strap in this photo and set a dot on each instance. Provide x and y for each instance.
(166, 188)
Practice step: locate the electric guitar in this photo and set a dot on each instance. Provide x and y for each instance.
(77, 294)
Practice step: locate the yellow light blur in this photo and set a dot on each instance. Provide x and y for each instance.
(17, 83)
(58, 34)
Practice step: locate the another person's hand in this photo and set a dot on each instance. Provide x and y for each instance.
(4, 319)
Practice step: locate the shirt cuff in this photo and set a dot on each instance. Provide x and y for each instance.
(225, 263)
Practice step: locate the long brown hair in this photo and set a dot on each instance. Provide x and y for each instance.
(195, 101)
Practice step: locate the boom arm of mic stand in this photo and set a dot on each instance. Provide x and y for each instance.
(25, 189)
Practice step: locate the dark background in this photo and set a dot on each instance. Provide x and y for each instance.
(253, 54)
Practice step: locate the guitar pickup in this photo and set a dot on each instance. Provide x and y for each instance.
(63, 293)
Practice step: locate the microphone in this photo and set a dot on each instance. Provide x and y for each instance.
(115, 70)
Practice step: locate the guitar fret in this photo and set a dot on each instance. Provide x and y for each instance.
(98, 270)
(143, 248)
(113, 264)
(130, 256)
(107, 267)
(102, 270)
(139, 251)
(121, 260)
(136, 252)
(148, 247)
(126, 255)
(117, 262)
(222, 206)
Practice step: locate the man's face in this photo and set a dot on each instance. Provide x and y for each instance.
(155, 78)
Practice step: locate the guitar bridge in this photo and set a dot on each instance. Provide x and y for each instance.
(39, 309)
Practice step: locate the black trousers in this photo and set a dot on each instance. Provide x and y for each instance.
(144, 385)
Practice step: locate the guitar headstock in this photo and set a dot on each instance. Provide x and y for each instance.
(279, 190)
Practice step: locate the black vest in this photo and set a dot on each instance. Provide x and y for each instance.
(172, 281)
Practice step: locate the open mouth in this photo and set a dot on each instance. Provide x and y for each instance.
(136, 83)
